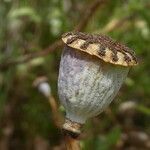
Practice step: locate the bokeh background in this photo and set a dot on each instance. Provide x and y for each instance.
(30, 47)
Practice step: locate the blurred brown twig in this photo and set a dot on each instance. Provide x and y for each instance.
(115, 24)
(27, 57)
(88, 14)
(41, 83)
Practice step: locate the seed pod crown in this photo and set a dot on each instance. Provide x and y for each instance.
(102, 47)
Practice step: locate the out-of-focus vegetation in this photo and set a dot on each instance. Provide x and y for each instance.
(29, 26)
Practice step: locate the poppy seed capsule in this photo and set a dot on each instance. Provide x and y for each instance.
(92, 70)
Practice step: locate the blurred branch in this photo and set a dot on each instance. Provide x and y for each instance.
(25, 58)
(89, 13)
(79, 27)
(41, 83)
(115, 24)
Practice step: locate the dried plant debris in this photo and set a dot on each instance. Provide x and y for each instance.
(101, 46)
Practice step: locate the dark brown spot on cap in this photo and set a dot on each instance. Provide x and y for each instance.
(127, 58)
(71, 40)
(67, 34)
(115, 58)
(85, 45)
(101, 53)
(134, 58)
(102, 48)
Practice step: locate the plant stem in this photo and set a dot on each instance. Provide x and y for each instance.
(71, 132)
(71, 141)
(57, 117)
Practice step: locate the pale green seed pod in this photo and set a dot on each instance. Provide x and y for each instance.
(92, 70)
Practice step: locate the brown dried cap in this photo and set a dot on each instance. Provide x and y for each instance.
(101, 46)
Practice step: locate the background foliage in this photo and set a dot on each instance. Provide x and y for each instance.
(29, 26)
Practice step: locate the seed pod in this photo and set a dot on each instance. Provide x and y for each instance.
(43, 86)
(92, 70)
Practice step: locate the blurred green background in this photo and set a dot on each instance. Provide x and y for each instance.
(30, 26)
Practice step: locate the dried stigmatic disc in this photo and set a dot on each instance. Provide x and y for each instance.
(101, 46)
